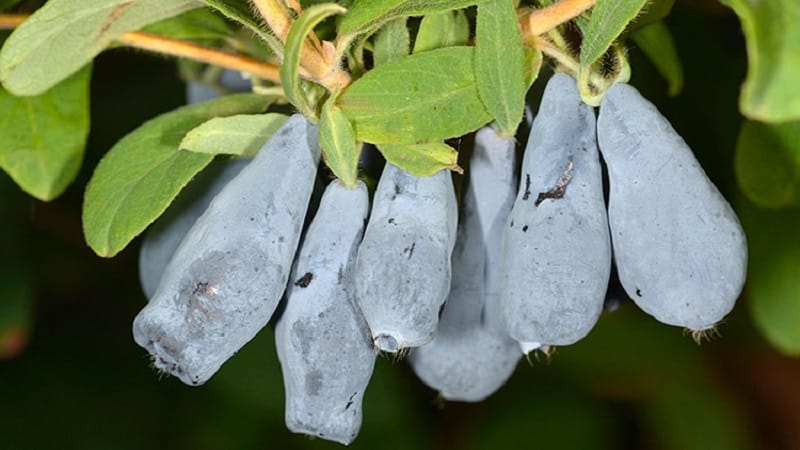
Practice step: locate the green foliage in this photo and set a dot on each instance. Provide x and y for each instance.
(197, 24)
(424, 97)
(499, 58)
(772, 31)
(42, 138)
(773, 288)
(366, 16)
(654, 11)
(240, 11)
(139, 177)
(608, 21)
(444, 29)
(298, 35)
(420, 160)
(239, 135)
(64, 35)
(656, 42)
(768, 163)
(391, 42)
(338, 143)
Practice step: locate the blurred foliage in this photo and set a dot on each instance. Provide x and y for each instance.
(632, 384)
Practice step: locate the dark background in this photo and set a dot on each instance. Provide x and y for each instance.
(82, 383)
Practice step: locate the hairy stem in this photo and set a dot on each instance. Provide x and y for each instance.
(540, 21)
(183, 49)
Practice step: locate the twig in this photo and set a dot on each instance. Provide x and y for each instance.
(183, 49)
(540, 21)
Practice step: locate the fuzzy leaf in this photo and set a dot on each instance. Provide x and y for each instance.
(392, 42)
(609, 18)
(424, 97)
(444, 29)
(366, 16)
(239, 135)
(140, 176)
(421, 160)
(42, 138)
(499, 59)
(338, 142)
(65, 35)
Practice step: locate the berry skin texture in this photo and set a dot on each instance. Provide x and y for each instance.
(323, 342)
(164, 237)
(680, 250)
(403, 265)
(472, 355)
(231, 269)
(557, 252)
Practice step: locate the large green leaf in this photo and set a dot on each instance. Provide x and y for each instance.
(424, 97)
(421, 160)
(64, 35)
(42, 138)
(653, 12)
(391, 42)
(499, 59)
(768, 163)
(366, 16)
(772, 31)
(773, 287)
(444, 29)
(656, 42)
(338, 142)
(239, 135)
(241, 11)
(609, 18)
(139, 177)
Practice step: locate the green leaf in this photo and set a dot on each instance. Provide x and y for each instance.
(197, 24)
(392, 42)
(499, 59)
(295, 41)
(657, 44)
(16, 311)
(445, 29)
(768, 163)
(609, 18)
(421, 160)
(338, 143)
(533, 64)
(773, 287)
(139, 177)
(239, 135)
(366, 16)
(240, 11)
(772, 31)
(65, 35)
(42, 138)
(424, 97)
(654, 11)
